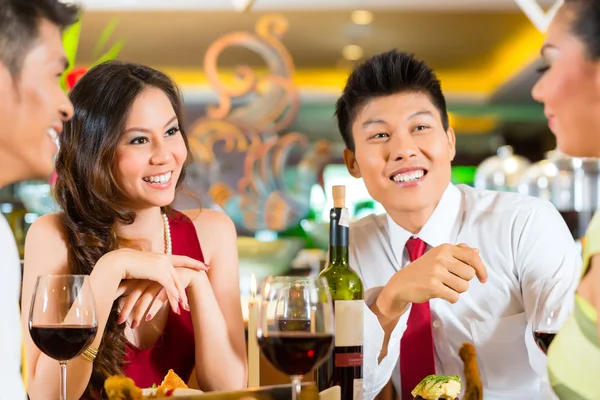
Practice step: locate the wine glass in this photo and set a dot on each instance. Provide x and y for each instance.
(62, 319)
(552, 310)
(296, 325)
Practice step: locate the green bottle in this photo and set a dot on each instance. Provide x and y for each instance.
(345, 365)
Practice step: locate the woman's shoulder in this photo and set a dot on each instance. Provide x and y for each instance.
(47, 224)
(208, 219)
(45, 245)
(215, 231)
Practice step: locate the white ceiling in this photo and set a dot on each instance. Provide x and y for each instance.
(270, 5)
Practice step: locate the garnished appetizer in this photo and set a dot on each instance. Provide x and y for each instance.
(434, 387)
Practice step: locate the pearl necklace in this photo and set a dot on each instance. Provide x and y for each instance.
(168, 242)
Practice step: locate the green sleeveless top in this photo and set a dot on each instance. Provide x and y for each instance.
(574, 355)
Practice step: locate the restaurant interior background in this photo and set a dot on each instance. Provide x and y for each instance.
(266, 145)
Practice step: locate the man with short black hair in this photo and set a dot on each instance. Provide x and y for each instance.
(32, 112)
(419, 259)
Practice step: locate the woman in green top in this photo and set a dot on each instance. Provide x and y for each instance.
(570, 91)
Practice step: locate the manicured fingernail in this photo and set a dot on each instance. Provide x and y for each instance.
(135, 324)
(148, 317)
(184, 304)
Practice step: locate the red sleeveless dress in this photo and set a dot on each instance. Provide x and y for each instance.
(174, 349)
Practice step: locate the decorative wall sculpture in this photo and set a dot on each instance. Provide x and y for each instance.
(257, 172)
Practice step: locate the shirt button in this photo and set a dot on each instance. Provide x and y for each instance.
(436, 324)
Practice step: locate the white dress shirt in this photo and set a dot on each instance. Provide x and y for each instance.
(523, 242)
(11, 382)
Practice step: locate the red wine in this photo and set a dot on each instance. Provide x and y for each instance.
(543, 340)
(293, 325)
(62, 342)
(296, 353)
(345, 366)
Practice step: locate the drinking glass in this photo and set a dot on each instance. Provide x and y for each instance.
(552, 310)
(296, 325)
(62, 319)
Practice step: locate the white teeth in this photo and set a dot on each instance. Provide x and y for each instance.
(409, 176)
(164, 178)
(53, 135)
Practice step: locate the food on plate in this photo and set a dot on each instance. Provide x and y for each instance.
(434, 387)
(473, 387)
(172, 381)
(123, 388)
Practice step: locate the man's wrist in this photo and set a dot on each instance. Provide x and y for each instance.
(387, 308)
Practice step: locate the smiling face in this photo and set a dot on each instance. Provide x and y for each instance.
(151, 152)
(570, 89)
(34, 107)
(402, 152)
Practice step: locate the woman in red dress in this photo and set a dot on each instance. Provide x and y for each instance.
(159, 304)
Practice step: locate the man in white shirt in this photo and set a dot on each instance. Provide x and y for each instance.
(32, 111)
(393, 119)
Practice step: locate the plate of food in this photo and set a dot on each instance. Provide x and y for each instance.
(123, 388)
(434, 387)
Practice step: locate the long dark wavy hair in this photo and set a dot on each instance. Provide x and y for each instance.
(86, 188)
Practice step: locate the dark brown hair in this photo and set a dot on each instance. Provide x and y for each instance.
(86, 188)
(586, 24)
(19, 27)
(383, 75)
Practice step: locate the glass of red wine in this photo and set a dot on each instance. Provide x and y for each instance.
(296, 326)
(62, 319)
(552, 310)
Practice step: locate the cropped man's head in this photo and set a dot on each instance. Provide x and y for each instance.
(33, 107)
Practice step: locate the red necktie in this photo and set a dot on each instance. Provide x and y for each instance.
(416, 346)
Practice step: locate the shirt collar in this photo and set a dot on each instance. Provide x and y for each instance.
(442, 227)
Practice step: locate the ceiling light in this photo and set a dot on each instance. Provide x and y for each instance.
(352, 52)
(362, 17)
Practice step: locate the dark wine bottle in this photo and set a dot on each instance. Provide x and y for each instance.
(345, 366)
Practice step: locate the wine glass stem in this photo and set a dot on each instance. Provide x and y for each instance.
(296, 384)
(63, 380)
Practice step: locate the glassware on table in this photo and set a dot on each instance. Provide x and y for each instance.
(296, 326)
(552, 310)
(62, 319)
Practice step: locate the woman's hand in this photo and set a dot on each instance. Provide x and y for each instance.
(142, 299)
(154, 267)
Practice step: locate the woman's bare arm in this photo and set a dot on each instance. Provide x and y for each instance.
(215, 304)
